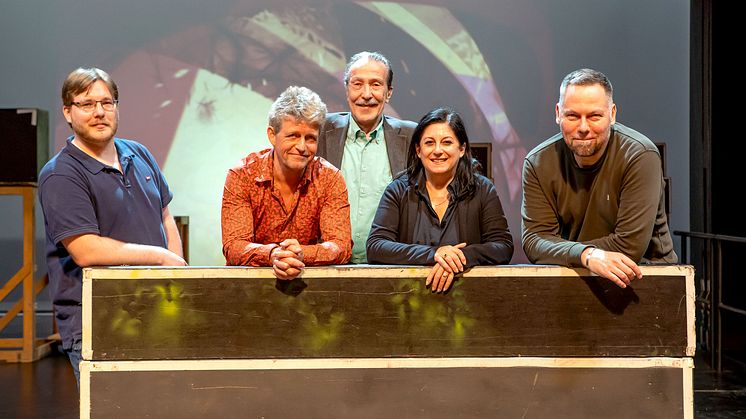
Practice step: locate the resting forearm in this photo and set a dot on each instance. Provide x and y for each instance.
(92, 250)
(326, 253)
(395, 253)
(493, 253)
(244, 253)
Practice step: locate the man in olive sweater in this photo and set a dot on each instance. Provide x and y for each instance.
(593, 194)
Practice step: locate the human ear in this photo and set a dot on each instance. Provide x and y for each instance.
(271, 135)
(66, 113)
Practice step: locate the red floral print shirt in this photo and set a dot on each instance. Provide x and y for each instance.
(254, 218)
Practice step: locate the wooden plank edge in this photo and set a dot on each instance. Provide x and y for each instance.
(688, 394)
(691, 298)
(373, 363)
(357, 271)
(85, 389)
(86, 350)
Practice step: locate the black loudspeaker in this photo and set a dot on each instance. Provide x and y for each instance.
(24, 138)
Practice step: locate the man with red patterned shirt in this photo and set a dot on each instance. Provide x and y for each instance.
(283, 206)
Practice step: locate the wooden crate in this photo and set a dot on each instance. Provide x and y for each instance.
(371, 341)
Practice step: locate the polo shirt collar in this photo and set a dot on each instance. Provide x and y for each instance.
(94, 166)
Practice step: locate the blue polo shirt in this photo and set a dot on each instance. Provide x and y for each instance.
(78, 195)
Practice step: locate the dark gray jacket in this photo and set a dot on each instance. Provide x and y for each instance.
(396, 132)
(480, 219)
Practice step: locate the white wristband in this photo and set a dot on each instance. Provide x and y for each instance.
(588, 257)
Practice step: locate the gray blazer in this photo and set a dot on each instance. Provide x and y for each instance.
(396, 132)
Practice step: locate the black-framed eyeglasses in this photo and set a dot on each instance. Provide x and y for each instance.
(90, 105)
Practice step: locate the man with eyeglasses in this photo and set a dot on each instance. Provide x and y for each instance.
(369, 147)
(104, 199)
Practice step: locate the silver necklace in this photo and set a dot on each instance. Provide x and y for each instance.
(440, 203)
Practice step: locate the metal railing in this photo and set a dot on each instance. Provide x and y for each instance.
(709, 287)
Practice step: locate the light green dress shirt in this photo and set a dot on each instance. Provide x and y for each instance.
(367, 172)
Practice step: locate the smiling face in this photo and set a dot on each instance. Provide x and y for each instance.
(368, 92)
(439, 150)
(585, 117)
(94, 129)
(295, 145)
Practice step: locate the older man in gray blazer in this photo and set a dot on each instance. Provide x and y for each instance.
(368, 147)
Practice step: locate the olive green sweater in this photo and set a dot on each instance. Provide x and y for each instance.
(617, 205)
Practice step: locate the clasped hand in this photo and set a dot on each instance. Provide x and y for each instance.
(287, 259)
(449, 261)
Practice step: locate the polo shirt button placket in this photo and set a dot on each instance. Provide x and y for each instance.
(123, 173)
(123, 179)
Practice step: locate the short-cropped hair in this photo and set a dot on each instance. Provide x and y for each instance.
(300, 103)
(586, 77)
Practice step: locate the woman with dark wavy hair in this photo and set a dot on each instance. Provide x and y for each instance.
(440, 211)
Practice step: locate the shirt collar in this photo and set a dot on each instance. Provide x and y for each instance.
(354, 133)
(266, 167)
(421, 186)
(124, 153)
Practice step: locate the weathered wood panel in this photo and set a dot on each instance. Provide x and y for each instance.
(364, 311)
(444, 388)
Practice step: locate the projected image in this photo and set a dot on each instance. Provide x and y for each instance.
(203, 92)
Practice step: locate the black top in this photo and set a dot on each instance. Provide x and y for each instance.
(406, 230)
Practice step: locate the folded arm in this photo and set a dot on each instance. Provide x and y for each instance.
(383, 245)
(237, 224)
(496, 245)
(335, 247)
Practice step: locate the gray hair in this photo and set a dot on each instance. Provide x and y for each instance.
(586, 77)
(372, 56)
(300, 103)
